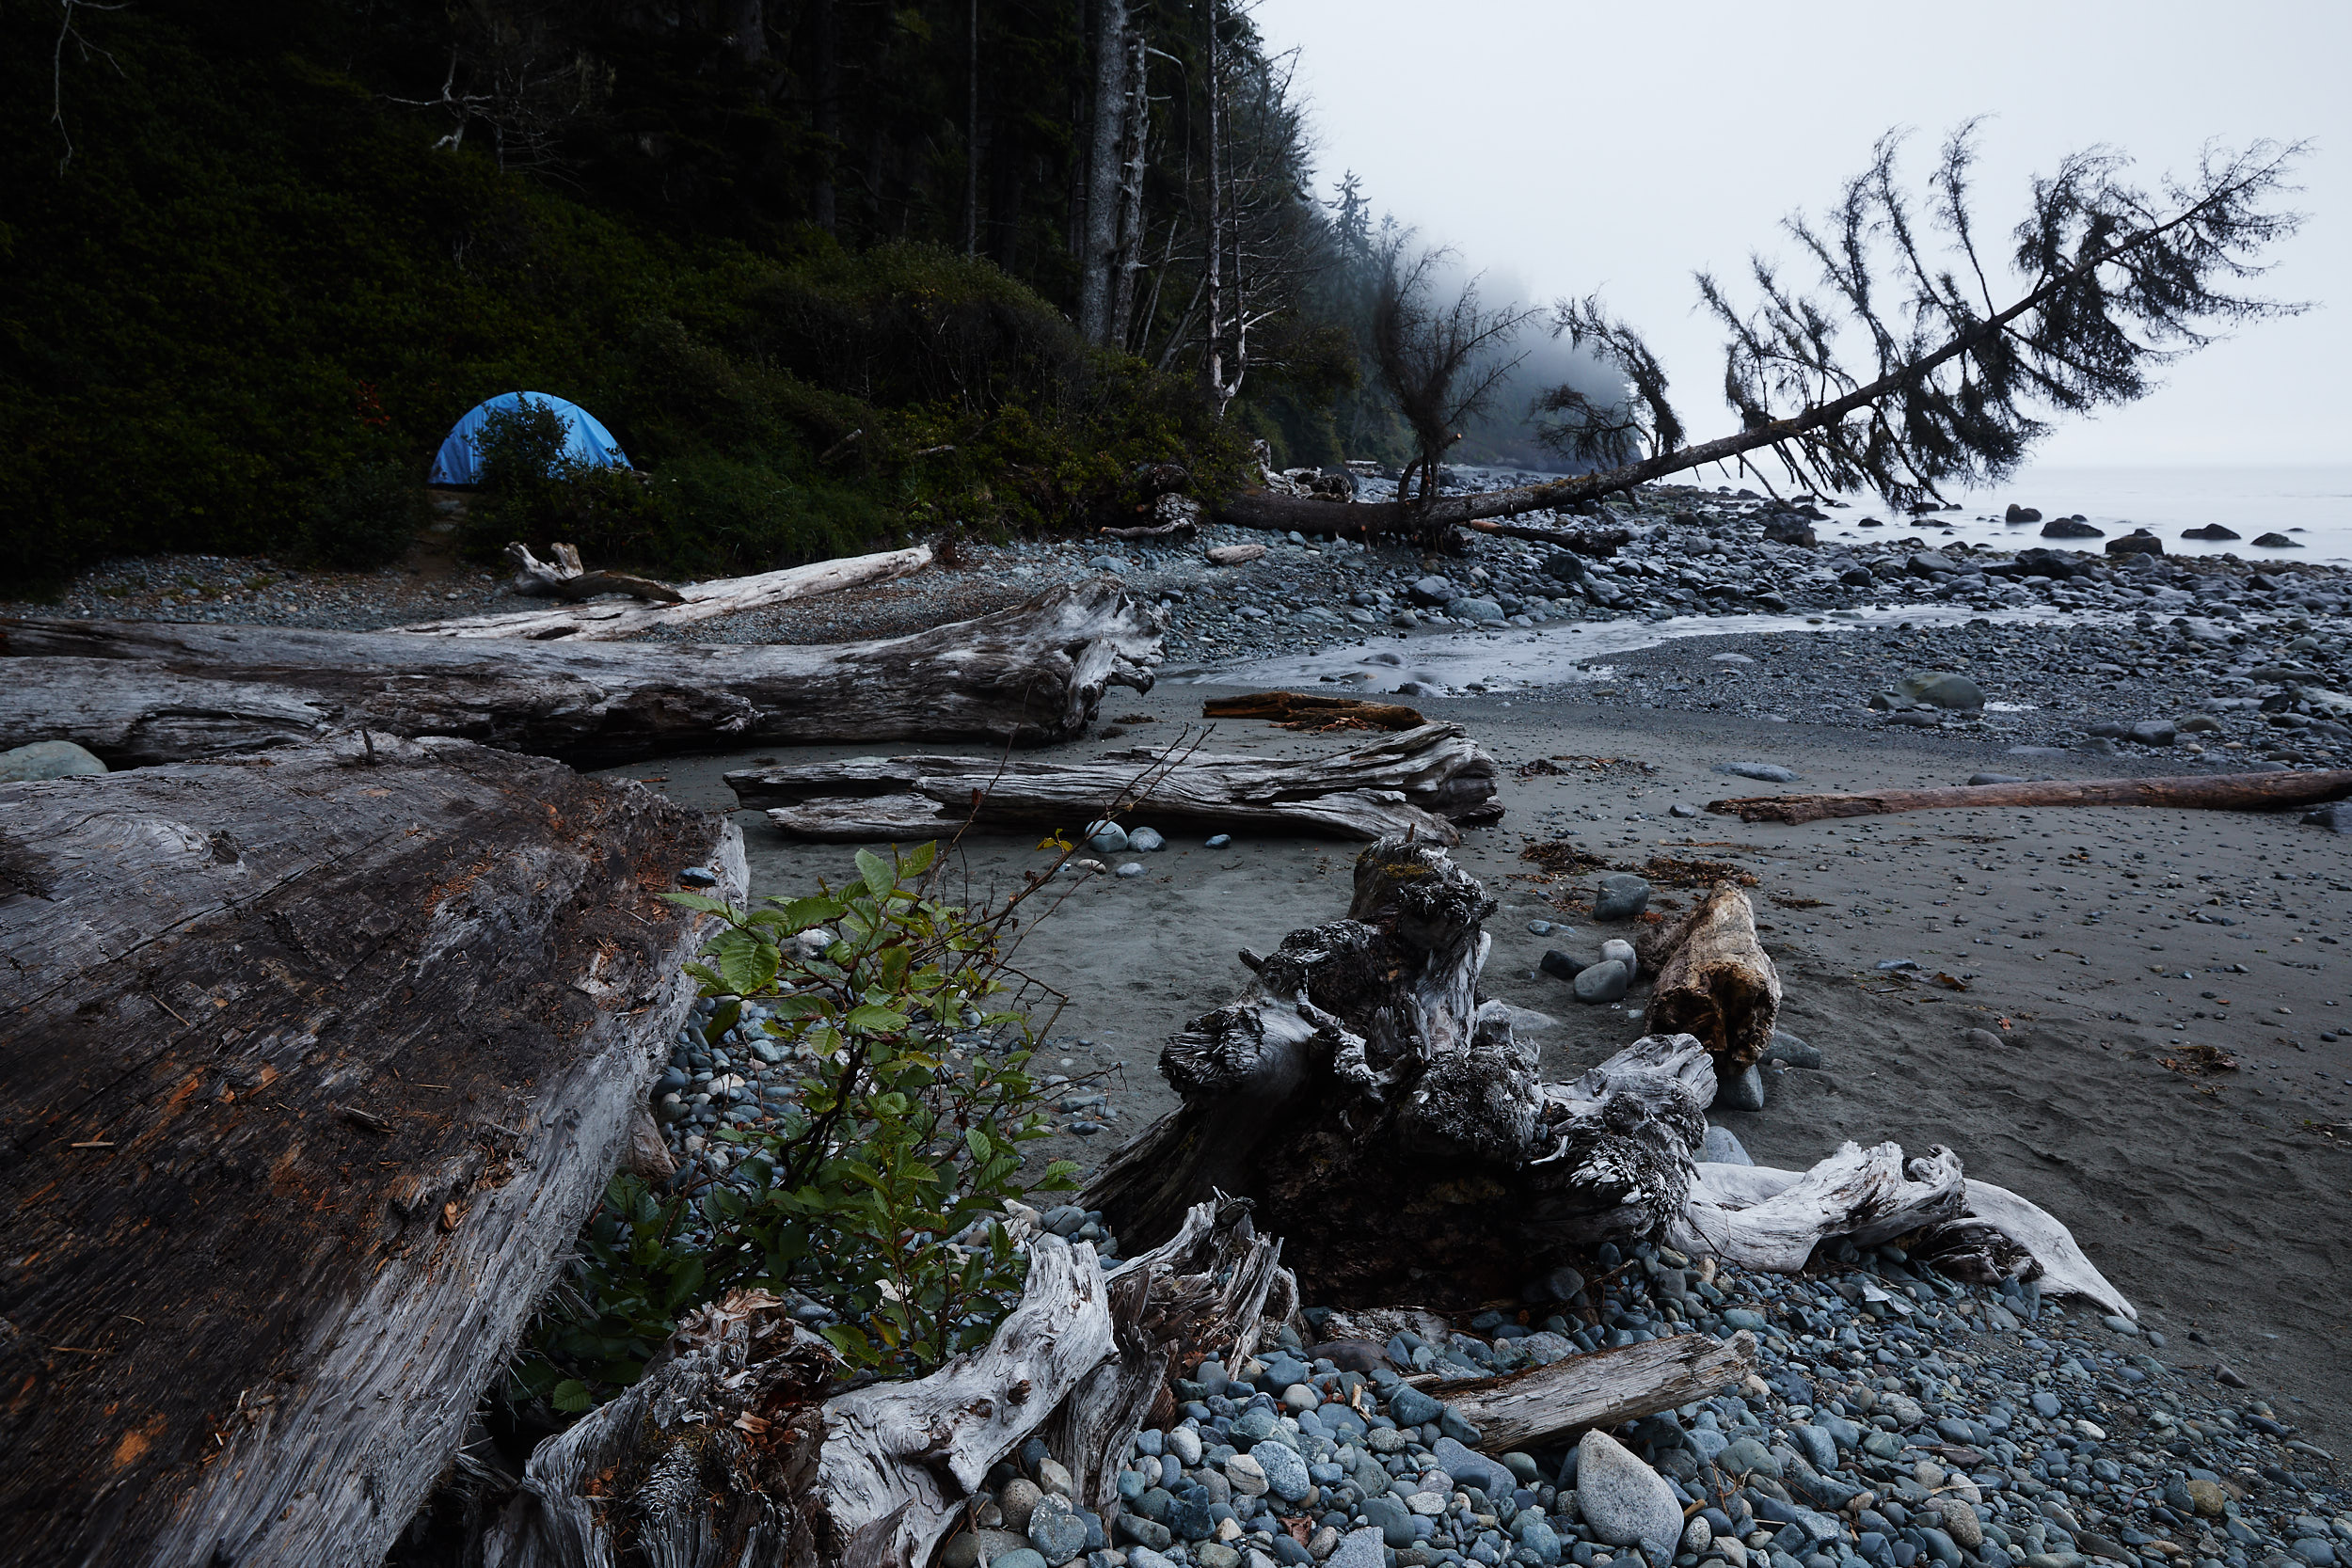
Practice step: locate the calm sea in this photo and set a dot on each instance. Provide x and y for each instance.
(2311, 506)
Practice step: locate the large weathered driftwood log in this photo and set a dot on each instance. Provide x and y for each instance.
(1295, 710)
(2189, 791)
(1602, 1389)
(565, 577)
(144, 692)
(1715, 981)
(312, 1066)
(1389, 1125)
(698, 601)
(1427, 781)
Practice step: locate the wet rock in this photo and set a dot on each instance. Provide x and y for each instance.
(1624, 1501)
(1742, 1091)
(1942, 689)
(2017, 513)
(2138, 542)
(2214, 531)
(2154, 731)
(1433, 590)
(1620, 895)
(2275, 541)
(1721, 1147)
(1603, 982)
(2071, 528)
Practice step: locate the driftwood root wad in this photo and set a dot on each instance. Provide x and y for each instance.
(143, 692)
(1426, 780)
(2188, 792)
(1384, 1118)
(314, 1065)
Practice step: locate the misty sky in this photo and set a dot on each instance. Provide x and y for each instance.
(1569, 147)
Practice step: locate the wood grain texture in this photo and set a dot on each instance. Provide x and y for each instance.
(312, 1068)
(2189, 791)
(139, 693)
(1716, 981)
(698, 601)
(1425, 780)
(1601, 1389)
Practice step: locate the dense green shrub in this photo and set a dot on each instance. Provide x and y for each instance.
(366, 515)
(880, 1195)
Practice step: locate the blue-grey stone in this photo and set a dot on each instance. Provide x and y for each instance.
(1474, 1469)
(1362, 1549)
(1106, 838)
(1020, 1557)
(1741, 1091)
(1785, 1047)
(1433, 590)
(1132, 868)
(1285, 1471)
(1620, 895)
(1721, 1147)
(1484, 611)
(47, 759)
(1188, 1518)
(2045, 1404)
(1144, 1532)
(1624, 1501)
(1411, 1407)
(1707, 1443)
(1603, 982)
(1216, 841)
(2318, 1552)
(1766, 772)
(1746, 1456)
(1250, 1428)
(1146, 840)
(1389, 1513)
(1816, 1445)
(1537, 1538)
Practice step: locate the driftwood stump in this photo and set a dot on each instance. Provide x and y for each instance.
(143, 692)
(312, 1066)
(1714, 980)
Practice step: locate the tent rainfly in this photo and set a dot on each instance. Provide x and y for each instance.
(584, 439)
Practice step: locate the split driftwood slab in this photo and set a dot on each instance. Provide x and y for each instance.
(565, 577)
(312, 1067)
(1602, 1389)
(698, 601)
(1295, 710)
(138, 692)
(1386, 1122)
(1425, 780)
(1715, 981)
(2189, 791)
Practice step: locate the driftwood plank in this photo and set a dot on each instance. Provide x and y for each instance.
(311, 1067)
(1601, 1390)
(2189, 791)
(1425, 780)
(143, 692)
(698, 601)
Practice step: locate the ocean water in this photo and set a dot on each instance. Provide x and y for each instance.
(2311, 505)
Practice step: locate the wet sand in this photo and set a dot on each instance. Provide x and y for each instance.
(2217, 1203)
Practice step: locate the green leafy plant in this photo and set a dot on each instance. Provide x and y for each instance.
(366, 515)
(879, 1195)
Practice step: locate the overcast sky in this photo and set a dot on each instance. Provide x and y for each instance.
(1576, 146)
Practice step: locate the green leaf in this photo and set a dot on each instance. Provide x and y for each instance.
(879, 876)
(701, 901)
(802, 913)
(977, 1140)
(746, 963)
(868, 1019)
(918, 860)
(724, 1017)
(571, 1396)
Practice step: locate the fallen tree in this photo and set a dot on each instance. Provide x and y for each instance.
(1387, 1123)
(2185, 792)
(139, 692)
(296, 1132)
(1714, 981)
(1427, 780)
(2110, 285)
(698, 601)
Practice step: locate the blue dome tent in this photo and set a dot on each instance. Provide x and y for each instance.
(584, 439)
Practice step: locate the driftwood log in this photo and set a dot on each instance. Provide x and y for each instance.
(699, 601)
(1602, 1389)
(1427, 781)
(1295, 710)
(565, 577)
(2189, 791)
(1386, 1122)
(1715, 981)
(312, 1066)
(139, 692)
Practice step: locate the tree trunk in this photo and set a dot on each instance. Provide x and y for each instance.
(1137, 157)
(1387, 1123)
(1100, 254)
(825, 113)
(314, 1065)
(2187, 791)
(701, 601)
(1425, 781)
(143, 692)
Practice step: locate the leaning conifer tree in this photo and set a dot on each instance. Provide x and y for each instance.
(1958, 375)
